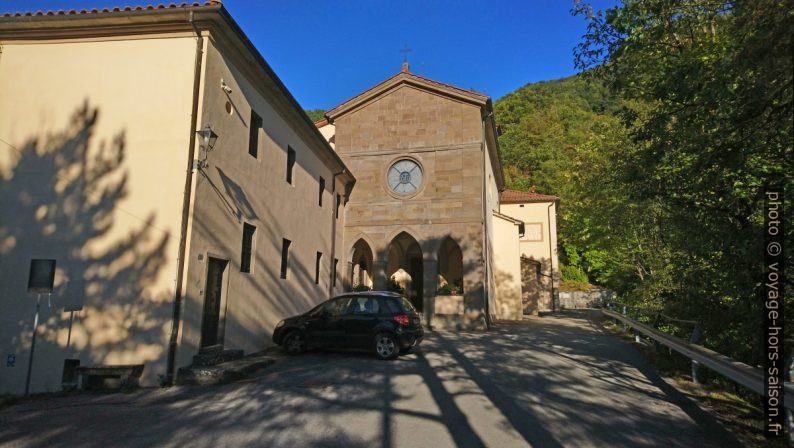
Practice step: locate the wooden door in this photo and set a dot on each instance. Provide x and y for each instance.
(212, 301)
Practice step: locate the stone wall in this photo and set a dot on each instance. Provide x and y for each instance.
(593, 298)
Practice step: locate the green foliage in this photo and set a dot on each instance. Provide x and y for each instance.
(450, 290)
(543, 123)
(361, 287)
(315, 114)
(660, 150)
(675, 187)
(573, 273)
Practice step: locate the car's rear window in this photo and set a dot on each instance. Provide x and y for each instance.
(398, 305)
(408, 305)
(393, 306)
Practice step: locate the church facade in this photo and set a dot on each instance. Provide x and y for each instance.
(425, 216)
(187, 202)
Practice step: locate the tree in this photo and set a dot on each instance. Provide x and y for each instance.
(708, 86)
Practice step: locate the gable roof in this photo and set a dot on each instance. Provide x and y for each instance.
(405, 77)
(401, 78)
(522, 197)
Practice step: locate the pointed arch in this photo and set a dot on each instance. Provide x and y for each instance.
(405, 266)
(450, 265)
(362, 261)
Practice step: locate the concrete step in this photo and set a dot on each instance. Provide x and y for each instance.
(225, 372)
(211, 356)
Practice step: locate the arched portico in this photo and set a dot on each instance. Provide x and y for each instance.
(362, 265)
(450, 266)
(405, 267)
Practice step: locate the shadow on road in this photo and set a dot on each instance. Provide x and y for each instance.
(546, 382)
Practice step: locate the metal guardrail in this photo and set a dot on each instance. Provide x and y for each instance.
(749, 377)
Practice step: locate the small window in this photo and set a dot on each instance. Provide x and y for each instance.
(333, 270)
(338, 203)
(290, 163)
(521, 230)
(248, 244)
(253, 133)
(285, 257)
(322, 189)
(317, 265)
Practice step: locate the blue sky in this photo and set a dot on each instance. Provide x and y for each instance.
(326, 52)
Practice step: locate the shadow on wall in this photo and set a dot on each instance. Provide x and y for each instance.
(536, 285)
(258, 300)
(59, 197)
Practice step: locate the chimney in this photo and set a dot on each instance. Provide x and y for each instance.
(405, 67)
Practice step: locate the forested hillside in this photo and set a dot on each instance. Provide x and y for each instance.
(548, 130)
(660, 153)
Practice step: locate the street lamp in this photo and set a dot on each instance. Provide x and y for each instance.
(207, 138)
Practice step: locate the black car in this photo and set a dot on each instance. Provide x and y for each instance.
(384, 322)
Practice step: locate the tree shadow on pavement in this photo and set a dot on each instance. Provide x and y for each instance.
(547, 382)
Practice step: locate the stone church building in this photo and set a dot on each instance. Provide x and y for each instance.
(184, 201)
(425, 212)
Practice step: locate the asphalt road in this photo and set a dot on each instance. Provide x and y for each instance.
(545, 382)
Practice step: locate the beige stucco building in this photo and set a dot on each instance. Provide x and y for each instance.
(166, 242)
(160, 245)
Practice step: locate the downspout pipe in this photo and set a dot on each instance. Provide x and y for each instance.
(334, 208)
(551, 257)
(486, 242)
(186, 199)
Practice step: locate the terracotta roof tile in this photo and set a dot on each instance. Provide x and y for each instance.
(112, 9)
(519, 197)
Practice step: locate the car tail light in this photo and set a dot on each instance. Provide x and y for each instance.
(402, 319)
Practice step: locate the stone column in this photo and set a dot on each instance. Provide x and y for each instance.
(347, 282)
(429, 287)
(378, 275)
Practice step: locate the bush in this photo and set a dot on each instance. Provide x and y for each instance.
(361, 287)
(573, 274)
(449, 290)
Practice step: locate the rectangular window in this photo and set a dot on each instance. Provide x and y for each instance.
(285, 257)
(317, 265)
(248, 244)
(322, 189)
(333, 271)
(338, 203)
(253, 133)
(521, 230)
(290, 163)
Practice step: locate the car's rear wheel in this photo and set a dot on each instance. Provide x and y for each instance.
(295, 343)
(386, 346)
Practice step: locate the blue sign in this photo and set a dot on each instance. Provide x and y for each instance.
(11, 360)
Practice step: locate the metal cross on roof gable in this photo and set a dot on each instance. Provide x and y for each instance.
(405, 52)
